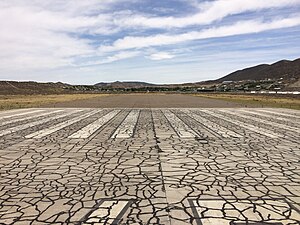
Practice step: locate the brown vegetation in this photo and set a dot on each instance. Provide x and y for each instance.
(291, 102)
(28, 101)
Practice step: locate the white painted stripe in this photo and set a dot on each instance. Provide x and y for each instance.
(126, 128)
(10, 111)
(50, 130)
(224, 132)
(161, 125)
(223, 212)
(282, 110)
(94, 126)
(32, 124)
(21, 114)
(274, 124)
(247, 126)
(183, 130)
(278, 113)
(30, 117)
(107, 212)
(269, 116)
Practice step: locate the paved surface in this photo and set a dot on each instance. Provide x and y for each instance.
(147, 101)
(150, 166)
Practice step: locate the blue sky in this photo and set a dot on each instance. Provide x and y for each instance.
(167, 41)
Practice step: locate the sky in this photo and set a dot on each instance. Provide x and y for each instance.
(156, 41)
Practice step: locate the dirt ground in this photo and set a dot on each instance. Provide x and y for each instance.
(148, 101)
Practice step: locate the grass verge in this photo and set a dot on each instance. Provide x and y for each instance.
(28, 101)
(290, 102)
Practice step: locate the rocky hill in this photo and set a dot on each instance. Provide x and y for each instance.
(288, 70)
(125, 84)
(30, 87)
(283, 75)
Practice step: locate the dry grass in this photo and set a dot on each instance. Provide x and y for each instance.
(292, 102)
(28, 101)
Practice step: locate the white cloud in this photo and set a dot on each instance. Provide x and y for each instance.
(161, 56)
(245, 27)
(38, 35)
(48, 34)
(113, 58)
(70, 7)
(210, 11)
(43, 35)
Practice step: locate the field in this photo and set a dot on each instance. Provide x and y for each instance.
(149, 100)
(291, 102)
(28, 101)
(180, 166)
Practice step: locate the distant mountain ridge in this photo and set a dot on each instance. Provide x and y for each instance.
(288, 70)
(283, 69)
(32, 87)
(125, 84)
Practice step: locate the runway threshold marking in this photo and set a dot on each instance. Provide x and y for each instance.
(224, 132)
(284, 110)
(244, 212)
(247, 126)
(88, 130)
(274, 117)
(50, 130)
(183, 130)
(10, 112)
(162, 129)
(109, 212)
(278, 113)
(274, 124)
(126, 128)
(21, 114)
(33, 124)
(29, 117)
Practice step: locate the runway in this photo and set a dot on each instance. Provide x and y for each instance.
(202, 166)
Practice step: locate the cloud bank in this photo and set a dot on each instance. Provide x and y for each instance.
(48, 35)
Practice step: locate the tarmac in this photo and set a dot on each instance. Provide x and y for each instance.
(149, 100)
(202, 166)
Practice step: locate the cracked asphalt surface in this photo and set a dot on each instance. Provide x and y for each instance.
(148, 100)
(213, 166)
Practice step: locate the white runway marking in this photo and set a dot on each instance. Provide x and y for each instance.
(161, 126)
(10, 112)
(20, 114)
(274, 124)
(93, 127)
(33, 124)
(126, 128)
(107, 213)
(227, 212)
(224, 132)
(50, 130)
(277, 113)
(247, 126)
(183, 130)
(290, 111)
(274, 117)
(30, 117)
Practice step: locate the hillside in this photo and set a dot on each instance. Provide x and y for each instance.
(246, 79)
(288, 70)
(30, 87)
(125, 84)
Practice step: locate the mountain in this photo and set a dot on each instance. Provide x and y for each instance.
(288, 70)
(285, 69)
(31, 87)
(125, 84)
